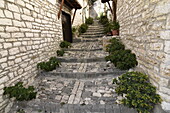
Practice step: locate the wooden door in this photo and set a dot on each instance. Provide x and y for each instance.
(67, 29)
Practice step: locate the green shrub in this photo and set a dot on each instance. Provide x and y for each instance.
(139, 93)
(107, 28)
(89, 21)
(74, 29)
(115, 25)
(122, 59)
(49, 65)
(60, 52)
(83, 28)
(103, 19)
(20, 93)
(65, 44)
(115, 45)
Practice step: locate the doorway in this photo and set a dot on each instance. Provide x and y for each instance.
(67, 29)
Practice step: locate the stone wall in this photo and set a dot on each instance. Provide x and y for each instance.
(29, 33)
(145, 29)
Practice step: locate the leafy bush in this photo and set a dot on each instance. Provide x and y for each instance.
(50, 65)
(89, 21)
(20, 93)
(107, 28)
(74, 29)
(115, 25)
(122, 59)
(65, 44)
(60, 52)
(103, 19)
(139, 93)
(116, 45)
(83, 28)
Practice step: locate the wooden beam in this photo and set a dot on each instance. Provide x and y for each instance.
(61, 6)
(70, 3)
(110, 7)
(74, 15)
(114, 10)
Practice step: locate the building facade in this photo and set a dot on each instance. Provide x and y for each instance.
(30, 32)
(145, 29)
(81, 14)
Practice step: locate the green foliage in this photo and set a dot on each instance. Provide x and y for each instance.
(103, 19)
(74, 29)
(121, 58)
(115, 45)
(20, 111)
(60, 52)
(83, 28)
(49, 65)
(65, 44)
(109, 26)
(89, 21)
(140, 94)
(115, 25)
(20, 93)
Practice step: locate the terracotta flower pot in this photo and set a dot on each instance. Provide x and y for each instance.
(115, 32)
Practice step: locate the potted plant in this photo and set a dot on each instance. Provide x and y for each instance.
(108, 28)
(115, 28)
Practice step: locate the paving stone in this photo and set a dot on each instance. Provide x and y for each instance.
(83, 83)
(97, 94)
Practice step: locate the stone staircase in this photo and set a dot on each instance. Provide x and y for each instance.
(82, 84)
(94, 31)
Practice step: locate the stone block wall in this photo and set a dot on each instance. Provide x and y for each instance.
(145, 29)
(29, 33)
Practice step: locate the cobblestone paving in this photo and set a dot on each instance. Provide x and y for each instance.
(73, 92)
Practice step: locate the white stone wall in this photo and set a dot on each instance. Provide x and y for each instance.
(145, 29)
(82, 13)
(29, 33)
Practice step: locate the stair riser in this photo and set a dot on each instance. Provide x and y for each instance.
(93, 36)
(83, 75)
(72, 60)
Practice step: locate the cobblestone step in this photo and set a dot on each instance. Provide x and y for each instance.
(80, 75)
(87, 60)
(93, 33)
(84, 40)
(98, 49)
(73, 108)
(84, 55)
(92, 36)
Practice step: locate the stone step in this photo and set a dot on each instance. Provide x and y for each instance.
(83, 49)
(51, 107)
(95, 29)
(91, 55)
(79, 60)
(92, 36)
(96, 26)
(93, 33)
(81, 75)
(86, 69)
(84, 40)
(88, 45)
